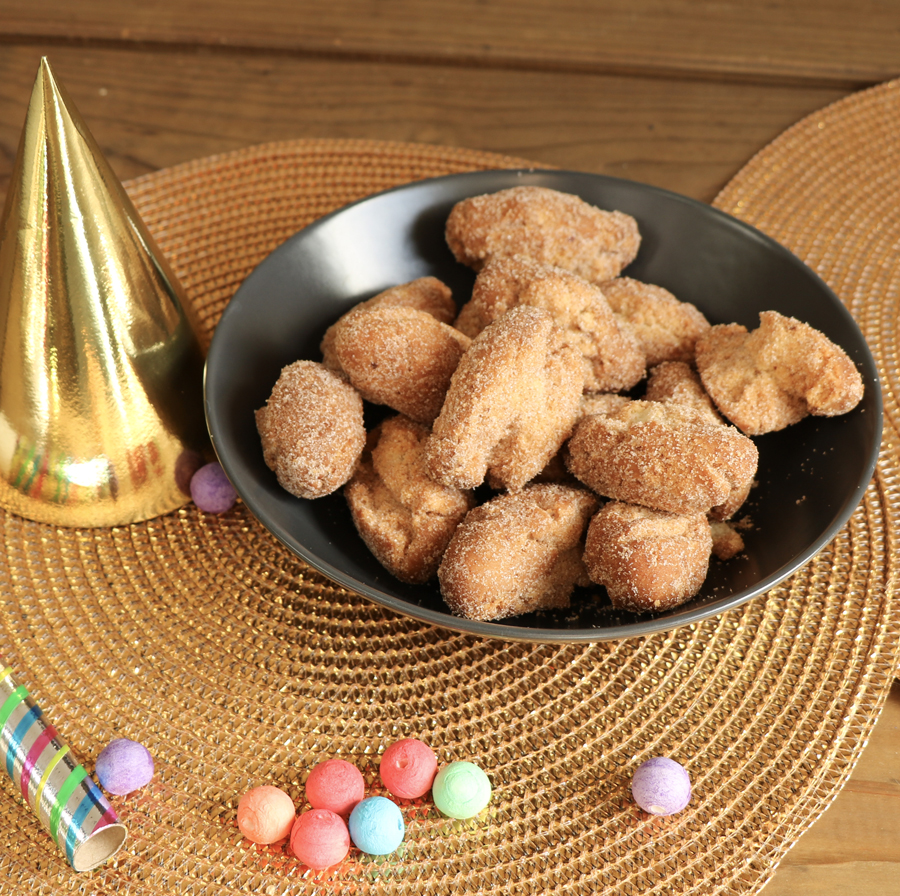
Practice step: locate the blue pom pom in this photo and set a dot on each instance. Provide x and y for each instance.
(376, 826)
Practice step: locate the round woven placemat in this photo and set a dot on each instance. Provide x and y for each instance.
(237, 665)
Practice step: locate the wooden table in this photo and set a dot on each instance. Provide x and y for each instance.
(670, 92)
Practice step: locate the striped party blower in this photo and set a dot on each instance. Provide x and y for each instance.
(58, 790)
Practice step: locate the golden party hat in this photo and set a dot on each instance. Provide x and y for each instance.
(101, 411)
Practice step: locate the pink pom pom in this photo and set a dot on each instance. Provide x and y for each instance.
(408, 768)
(320, 838)
(337, 785)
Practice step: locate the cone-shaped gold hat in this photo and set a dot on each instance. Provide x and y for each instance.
(101, 414)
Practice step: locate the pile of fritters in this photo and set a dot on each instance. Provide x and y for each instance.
(519, 396)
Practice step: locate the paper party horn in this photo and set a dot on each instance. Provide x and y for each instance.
(54, 785)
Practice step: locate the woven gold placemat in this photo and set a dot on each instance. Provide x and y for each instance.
(236, 665)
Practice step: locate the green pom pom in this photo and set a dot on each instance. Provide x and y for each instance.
(461, 790)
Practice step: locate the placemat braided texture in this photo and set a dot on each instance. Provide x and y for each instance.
(237, 665)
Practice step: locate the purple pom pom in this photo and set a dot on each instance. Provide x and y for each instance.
(661, 786)
(124, 765)
(211, 490)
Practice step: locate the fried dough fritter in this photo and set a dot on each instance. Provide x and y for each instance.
(727, 542)
(614, 359)
(424, 294)
(512, 402)
(547, 225)
(517, 553)
(666, 328)
(647, 560)
(602, 403)
(405, 518)
(400, 357)
(677, 382)
(311, 429)
(663, 456)
(771, 377)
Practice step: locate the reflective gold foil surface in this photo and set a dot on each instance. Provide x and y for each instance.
(101, 416)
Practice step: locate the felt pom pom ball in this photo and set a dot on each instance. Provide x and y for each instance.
(376, 826)
(335, 784)
(124, 765)
(408, 768)
(320, 838)
(461, 790)
(661, 786)
(265, 814)
(211, 491)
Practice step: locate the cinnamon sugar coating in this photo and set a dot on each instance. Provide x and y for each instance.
(401, 357)
(678, 382)
(768, 378)
(614, 359)
(311, 429)
(512, 402)
(591, 403)
(546, 225)
(727, 542)
(424, 294)
(647, 560)
(666, 457)
(675, 381)
(517, 553)
(666, 328)
(404, 517)
(602, 403)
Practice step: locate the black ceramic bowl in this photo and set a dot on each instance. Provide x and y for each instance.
(811, 476)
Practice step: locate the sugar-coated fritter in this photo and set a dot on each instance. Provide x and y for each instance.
(647, 560)
(405, 518)
(663, 456)
(424, 294)
(666, 328)
(614, 359)
(546, 225)
(311, 429)
(727, 542)
(591, 403)
(768, 378)
(401, 357)
(517, 553)
(678, 382)
(511, 404)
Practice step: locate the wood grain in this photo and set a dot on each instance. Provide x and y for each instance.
(827, 41)
(854, 847)
(151, 109)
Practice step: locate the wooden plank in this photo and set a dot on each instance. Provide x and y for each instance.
(826, 41)
(854, 846)
(153, 109)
